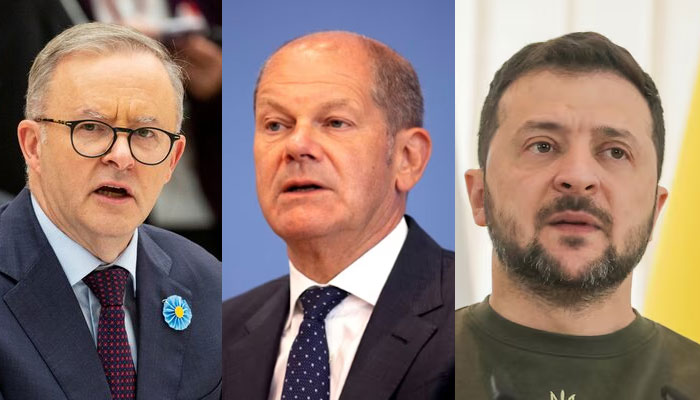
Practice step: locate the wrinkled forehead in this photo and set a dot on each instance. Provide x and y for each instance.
(101, 85)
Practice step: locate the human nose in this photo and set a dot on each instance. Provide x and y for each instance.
(577, 173)
(119, 155)
(302, 144)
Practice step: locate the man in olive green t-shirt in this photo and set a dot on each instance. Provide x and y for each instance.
(570, 151)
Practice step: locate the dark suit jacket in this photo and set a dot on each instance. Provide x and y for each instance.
(406, 352)
(46, 350)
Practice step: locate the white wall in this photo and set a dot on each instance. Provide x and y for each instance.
(663, 36)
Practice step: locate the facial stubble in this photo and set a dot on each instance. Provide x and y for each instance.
(543, 275)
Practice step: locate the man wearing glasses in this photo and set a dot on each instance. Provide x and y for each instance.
(95, 304)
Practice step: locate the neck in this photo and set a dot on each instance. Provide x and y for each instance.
(513, 301)
(321, 259)
(106, 250)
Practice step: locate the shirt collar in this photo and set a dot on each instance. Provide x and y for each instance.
(364, 278)
(75, 260)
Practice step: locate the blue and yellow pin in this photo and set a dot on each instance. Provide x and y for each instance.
(177, 312)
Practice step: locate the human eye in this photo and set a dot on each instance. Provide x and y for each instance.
(274, 126)
(89, 127)
(540, 147)
(336, 123)
(616, 153)
(145, 133)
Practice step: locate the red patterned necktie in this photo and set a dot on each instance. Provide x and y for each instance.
(112, 343)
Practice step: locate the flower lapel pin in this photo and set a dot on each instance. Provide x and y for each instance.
(177, 312)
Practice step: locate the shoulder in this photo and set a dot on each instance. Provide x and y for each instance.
(4, 206)
(421, 243)
(186, 255)
(681, 360)
(678, 345)
(425, 255)
(237, 310)
(448, 260)
(461, 313)
(463, 319)
(176, 244)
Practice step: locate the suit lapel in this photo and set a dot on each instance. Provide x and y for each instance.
(255, 354)
(45, 306)
(396, 330)
(160, 348)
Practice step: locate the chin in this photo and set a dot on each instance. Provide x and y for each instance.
(302, 228)
(576, 266)
(114, 226)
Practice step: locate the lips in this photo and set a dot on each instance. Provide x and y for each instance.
(114, 191)
(574, 219)
(301, 186)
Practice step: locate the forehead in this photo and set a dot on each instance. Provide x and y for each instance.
(579, 100)
(104, 82)
(320, 66)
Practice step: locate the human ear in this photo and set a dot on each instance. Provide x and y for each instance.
(412, 149)
(475, 190)
(29, 136)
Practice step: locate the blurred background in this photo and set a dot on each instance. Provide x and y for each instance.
(664, 37)
(421, 31)
(190, 204)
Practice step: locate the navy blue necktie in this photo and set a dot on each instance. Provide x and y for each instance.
(308, 370)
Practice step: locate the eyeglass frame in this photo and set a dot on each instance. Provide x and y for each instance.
(115, 129)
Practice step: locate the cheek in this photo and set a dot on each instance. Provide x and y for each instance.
(53, 167)
(264, 156)
(264, 176)
(631, 207)
(152, 179)
(515, 200)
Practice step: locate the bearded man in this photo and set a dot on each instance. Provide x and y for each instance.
(571, 144)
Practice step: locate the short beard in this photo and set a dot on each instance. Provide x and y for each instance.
(543, 275)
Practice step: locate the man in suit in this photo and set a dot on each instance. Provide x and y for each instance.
(338, 145)
(96, 305)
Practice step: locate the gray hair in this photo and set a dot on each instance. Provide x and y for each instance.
(97, 38)
(396, 89)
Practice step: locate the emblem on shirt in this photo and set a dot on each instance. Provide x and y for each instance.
(553, 396)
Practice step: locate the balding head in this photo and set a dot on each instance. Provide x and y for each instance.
(394, 85)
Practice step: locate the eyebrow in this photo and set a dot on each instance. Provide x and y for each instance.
(334, 104)
(604, 130)
(90, 113)
(146, 119)
(272, 104)
(324, 107)
(541, 126)
(611, 132)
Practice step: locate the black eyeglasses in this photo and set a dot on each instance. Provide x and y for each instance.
(92, 139)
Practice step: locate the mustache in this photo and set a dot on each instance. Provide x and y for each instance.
(574, 203)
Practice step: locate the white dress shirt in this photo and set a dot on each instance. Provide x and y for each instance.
(364, 280)
(77, 263)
